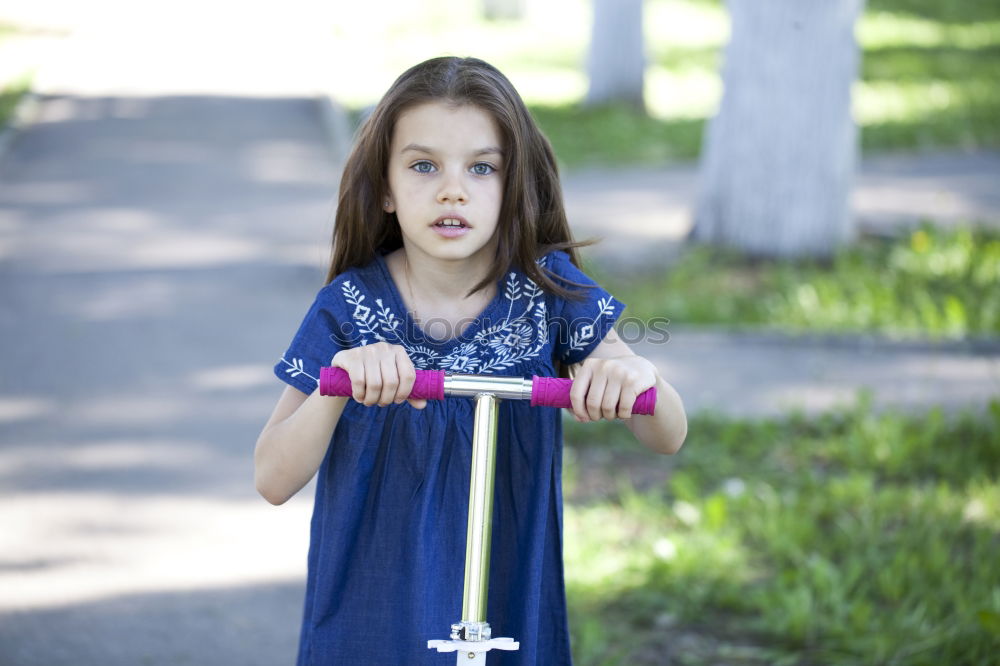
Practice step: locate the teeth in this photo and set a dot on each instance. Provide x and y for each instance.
(450, 223)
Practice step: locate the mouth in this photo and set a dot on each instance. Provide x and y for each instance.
(451, 221)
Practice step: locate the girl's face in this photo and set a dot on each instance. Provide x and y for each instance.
(446, 181)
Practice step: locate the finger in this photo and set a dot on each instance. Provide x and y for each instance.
(595, 396)
(356, 371)
(626, 402)
(418, 403)
(407, 376)
(373, 381)
(578, 393)
(609, 404)
(390, 380)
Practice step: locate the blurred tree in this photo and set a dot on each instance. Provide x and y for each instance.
(779, 157)
(616, 60)
(499, 10)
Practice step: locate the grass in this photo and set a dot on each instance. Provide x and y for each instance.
(11, 91)
(616, 135)
(10, 94)
(852, 538)
(943, 12)
(929, 283)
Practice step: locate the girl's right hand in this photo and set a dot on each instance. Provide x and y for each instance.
(381, 374)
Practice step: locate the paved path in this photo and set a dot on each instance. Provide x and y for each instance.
(156, 255)
(156, 252)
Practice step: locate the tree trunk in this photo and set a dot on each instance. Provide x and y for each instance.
(779, 158)
(616, 60)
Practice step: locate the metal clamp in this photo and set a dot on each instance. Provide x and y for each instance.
(471, 631)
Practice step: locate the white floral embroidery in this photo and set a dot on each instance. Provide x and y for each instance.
(522, 334)
(296, 368)
(585, 333)
(509, 354)
(362, 313)
(462, 359)
(512, 291)
(423, 358)
(387, 318)
(518, 336)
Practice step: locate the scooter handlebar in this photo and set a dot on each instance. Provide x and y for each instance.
(429, 385)
(554, 392)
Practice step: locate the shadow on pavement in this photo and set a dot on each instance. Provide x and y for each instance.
(252, 625)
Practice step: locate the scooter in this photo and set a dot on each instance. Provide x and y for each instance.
(471, 637)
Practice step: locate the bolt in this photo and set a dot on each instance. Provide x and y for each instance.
(472, 655)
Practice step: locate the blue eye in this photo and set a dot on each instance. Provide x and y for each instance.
(423, 166)
(483, 169)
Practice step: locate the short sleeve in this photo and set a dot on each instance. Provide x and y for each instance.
(316, 342)
(578, 326)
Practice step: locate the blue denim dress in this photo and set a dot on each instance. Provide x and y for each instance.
(387, 550)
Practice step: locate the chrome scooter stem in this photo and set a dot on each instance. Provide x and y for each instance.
(480, 529)
(471, 637)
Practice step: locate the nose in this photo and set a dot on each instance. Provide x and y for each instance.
(452, 191)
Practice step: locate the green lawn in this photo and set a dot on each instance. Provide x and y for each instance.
(927, 284)
(854, 538)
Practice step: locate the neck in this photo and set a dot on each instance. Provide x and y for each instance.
(443, 281)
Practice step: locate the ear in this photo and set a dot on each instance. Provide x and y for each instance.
(387, 204)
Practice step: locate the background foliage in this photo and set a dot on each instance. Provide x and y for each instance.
(929, 283)
(851, 538)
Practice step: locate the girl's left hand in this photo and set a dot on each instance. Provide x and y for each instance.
(607, 387)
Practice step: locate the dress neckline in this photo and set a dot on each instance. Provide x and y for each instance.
(411, 326)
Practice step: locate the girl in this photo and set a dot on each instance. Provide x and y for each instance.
(451, 250)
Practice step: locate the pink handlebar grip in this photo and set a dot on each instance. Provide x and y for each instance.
(428, 386)
(554, 392)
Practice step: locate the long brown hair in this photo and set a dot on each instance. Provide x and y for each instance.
(532, 218)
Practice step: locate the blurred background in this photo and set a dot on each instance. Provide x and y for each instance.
(807, 189)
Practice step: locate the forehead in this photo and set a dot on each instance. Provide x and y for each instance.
(444, 126)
